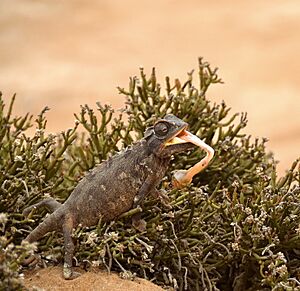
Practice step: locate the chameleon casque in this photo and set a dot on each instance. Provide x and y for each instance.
(116, 185)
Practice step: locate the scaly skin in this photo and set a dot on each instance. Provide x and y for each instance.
(113, 187)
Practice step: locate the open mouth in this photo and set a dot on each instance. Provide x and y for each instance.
(180, 137)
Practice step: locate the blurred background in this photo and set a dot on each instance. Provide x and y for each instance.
(66, 53)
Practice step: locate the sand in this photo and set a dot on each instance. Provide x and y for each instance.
(50, 279)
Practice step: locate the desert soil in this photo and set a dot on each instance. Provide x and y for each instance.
(50, 279)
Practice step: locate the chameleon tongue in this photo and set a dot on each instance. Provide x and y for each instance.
(184, 177)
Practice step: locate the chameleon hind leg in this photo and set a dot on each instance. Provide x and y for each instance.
(67, 229)
(50, 204)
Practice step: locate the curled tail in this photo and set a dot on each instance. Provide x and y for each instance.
(52, 222)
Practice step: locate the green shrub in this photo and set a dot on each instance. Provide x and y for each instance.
(11, 256)
(236, 227)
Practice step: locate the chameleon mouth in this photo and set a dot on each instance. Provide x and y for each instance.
(180, 137)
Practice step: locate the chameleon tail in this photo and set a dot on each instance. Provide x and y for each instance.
(50, 204)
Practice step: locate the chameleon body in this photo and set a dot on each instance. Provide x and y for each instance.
(113, 187)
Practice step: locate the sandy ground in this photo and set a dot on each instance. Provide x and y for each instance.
(51, 279)
(66, 53)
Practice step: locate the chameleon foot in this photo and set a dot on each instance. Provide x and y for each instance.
(69, 274)
(164, 198)
(138, 223)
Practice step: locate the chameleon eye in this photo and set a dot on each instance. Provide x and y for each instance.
(161, 128)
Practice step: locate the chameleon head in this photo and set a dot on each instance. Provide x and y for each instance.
(168, 136)
(164, 136)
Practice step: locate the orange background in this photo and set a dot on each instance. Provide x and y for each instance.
(66, 53)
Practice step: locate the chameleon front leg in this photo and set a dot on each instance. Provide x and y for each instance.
(146, 188)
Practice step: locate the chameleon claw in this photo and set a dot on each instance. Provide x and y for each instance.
(69, 274)
(67, 271)
(164, 198)
(138, 223)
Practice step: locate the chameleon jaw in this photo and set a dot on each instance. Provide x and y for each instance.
(177, 139)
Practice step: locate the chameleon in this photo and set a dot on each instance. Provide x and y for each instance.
(116, 185)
